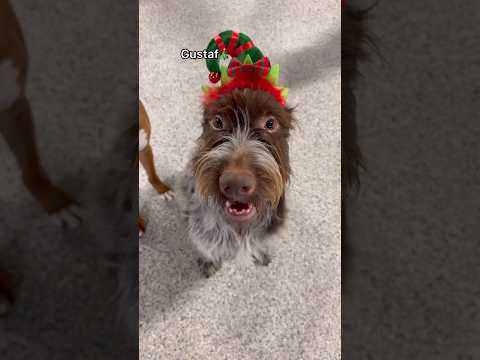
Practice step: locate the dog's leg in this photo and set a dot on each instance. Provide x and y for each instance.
(208, 263)
(16, 126)
(210, 259)
(141, 226)
(146, 158)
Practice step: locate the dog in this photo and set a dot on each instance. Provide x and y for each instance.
(233, 193)
(145, 155)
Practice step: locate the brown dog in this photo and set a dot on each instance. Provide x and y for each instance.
(146, 158)
(16, 127)
(16, 124)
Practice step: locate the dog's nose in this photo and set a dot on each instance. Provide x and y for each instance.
(237, 185)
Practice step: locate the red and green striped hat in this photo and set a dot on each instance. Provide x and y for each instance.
(248, 68)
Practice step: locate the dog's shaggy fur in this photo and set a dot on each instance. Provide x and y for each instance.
(356, 41)
(245, 131)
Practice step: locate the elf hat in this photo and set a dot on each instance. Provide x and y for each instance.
(248, 68)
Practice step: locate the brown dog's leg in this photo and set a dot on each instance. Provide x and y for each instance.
(141, 226)
(16, 126)
(146, 158)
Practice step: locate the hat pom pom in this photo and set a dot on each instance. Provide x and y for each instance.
(214, 77)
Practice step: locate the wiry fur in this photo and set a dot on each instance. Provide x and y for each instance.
(355, 42)
(265, 154)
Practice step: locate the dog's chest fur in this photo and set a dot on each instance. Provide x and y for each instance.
(215, 237)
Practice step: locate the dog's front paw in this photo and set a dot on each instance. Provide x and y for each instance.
(262, 259)
(141, 227)
(167, 196)
(68, 218)
(208, 268)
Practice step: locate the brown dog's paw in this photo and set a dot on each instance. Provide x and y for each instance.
(68, 218)
(167, 196)
(141, 227)
(159, 186)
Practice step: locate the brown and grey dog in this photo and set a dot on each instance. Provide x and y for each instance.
(145, 154)
(234, 191)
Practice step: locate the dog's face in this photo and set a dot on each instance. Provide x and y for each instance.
(242, 162)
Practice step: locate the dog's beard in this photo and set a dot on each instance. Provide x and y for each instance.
(261, 158)
(262, 221)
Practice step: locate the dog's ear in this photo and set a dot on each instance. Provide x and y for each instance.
(292, 120)
(291, 109)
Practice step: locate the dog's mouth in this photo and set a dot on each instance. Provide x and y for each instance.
(239, 211)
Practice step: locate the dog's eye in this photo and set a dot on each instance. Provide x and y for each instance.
(270, 124)
(217, 123)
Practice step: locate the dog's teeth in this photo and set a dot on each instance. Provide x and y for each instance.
(240, 210)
